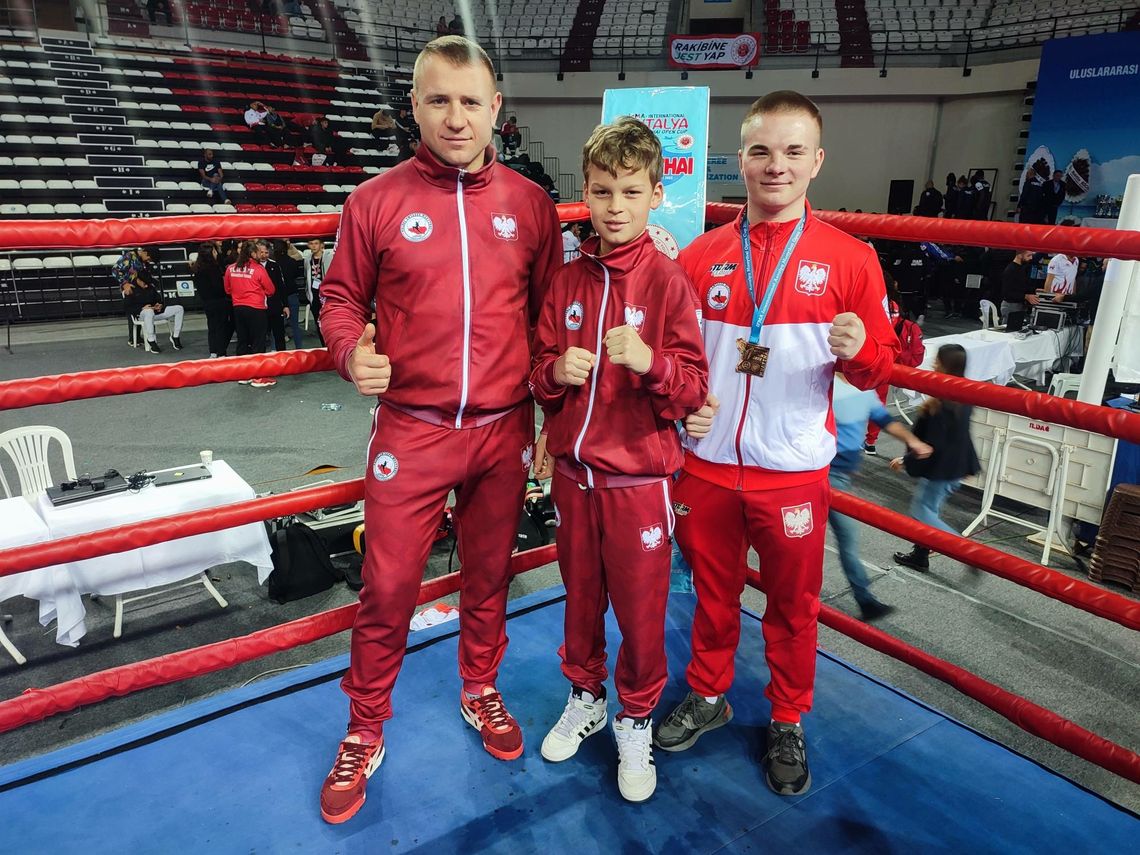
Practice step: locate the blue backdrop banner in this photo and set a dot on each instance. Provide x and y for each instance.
(679, 115)
(1086, 120)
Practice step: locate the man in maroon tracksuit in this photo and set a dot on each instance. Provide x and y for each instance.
(455, 250)
(618, 358)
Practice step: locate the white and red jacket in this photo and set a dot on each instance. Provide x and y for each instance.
(456, 263)
(620, 424)
(248, 286)
(778, 430)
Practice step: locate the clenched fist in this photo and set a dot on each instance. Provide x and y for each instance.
(847, 335)
(625, 347)
(698, 424)
(370, 371)
(573, 367)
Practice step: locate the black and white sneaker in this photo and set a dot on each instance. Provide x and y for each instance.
(176, 342)
(869, 449)
(584, 716)
(152, 347)
(785, 762)
(637, 774)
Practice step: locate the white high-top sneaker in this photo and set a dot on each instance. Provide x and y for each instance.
(637, 776)
(583, 716)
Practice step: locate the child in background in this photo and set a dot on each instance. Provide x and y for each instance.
(945, 425)
(618, 359)
(910, 354)
(853, 410)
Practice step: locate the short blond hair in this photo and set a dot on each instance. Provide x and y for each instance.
(782, 101)
(457, 50)
(623, 144)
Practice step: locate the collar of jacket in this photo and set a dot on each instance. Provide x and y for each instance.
(622, 259)
(440, 174)
(762, 233)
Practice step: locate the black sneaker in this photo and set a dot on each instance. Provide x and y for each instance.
(868, 449)
(692, 717)
(152, 347)
(917, 559)
(785, 762)
(874, 610)
(176, 342)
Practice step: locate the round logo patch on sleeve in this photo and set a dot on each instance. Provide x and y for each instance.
(385, 466)
(416, 227)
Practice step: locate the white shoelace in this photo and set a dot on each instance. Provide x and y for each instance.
(577, 715)
(635, 747)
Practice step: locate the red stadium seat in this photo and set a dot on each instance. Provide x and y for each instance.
(266, 209)
(245, 209)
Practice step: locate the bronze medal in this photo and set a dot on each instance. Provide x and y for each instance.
(753, 358)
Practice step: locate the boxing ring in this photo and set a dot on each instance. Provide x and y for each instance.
(241, 770)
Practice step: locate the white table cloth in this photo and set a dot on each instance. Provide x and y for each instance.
(20, 525)
(151, 566)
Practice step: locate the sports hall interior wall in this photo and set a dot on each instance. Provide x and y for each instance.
(915, 123)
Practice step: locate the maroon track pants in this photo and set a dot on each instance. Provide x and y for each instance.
(786, 527)
(412, 466)
(614, 547)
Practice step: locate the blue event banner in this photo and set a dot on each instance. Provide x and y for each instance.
(1086, 120)
(679, 116)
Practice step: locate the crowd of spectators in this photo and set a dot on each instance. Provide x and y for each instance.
(963, 199)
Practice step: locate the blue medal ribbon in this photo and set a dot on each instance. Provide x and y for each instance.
(759, 312)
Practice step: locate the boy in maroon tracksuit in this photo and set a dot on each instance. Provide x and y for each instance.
(618, 358)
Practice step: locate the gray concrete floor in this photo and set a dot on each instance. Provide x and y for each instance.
(1085, 668)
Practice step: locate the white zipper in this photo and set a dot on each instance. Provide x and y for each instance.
(594, 377)
(466, 299)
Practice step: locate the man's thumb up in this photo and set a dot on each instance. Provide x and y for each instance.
(368, 338)
(369, 370)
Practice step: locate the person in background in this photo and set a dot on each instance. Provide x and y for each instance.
(145, 302)
(292, 265)
(853, 409)
(316, 260)
(383, 127)
(930, 202)
(911, 353)
(212, 176)
(982, 195)
(327, 142)
(1061, 276)
(406, 128)
(511, 136)
(1015, 284)
(945, 426)
(571, 242)
(1031, 203)
(950, 196)
(153, 7)
(209, 274)
(1054, 196)
(275, 305)
(441, 28)
(135, 266)
(249, 286)
(255, 121)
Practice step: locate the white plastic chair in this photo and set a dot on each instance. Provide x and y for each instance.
(1064, 383)
(990, 320)
(28, 448)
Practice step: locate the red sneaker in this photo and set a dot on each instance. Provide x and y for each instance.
(502, 736)
(343, 792)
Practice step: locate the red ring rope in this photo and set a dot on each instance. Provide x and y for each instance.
(58, 388)
(37, 704)
(1034, 405)
(40, 703)
(111, 233)
(1051, 583)
(35, 391)
(80, 547)
(1027, 715)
